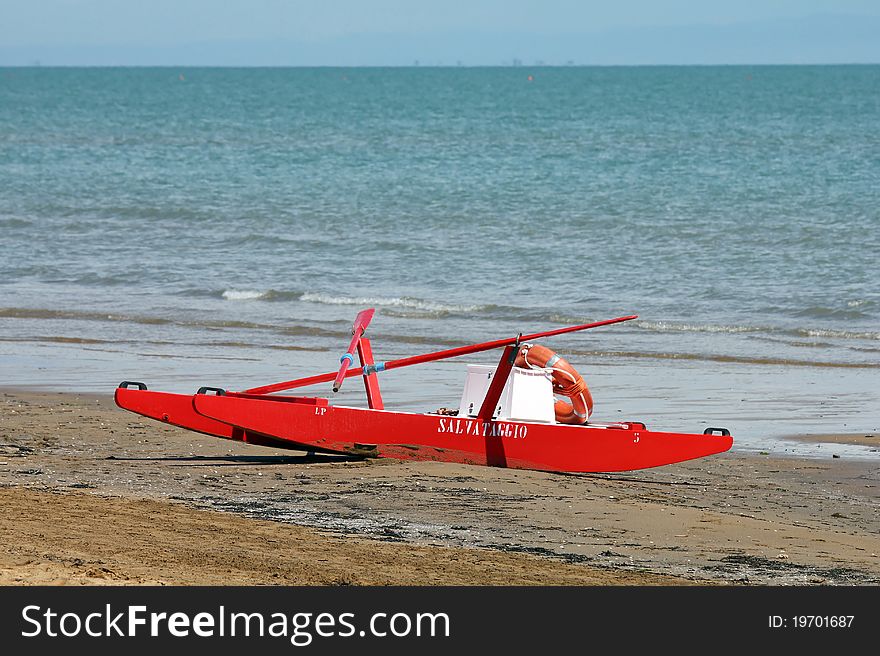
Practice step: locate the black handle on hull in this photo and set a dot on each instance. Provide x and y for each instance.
(219, 391)
(125, 384)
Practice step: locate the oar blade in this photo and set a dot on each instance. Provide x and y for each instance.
(361, 321)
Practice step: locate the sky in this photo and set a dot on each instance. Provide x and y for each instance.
(432, 32)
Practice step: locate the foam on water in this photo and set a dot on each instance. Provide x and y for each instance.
(243, 294)
(390, 302)
(664, 326)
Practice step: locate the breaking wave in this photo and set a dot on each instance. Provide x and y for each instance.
(243, 295)
(403, 302)
(257, 295)
(838, 334)
(403, 306)
(665, 326)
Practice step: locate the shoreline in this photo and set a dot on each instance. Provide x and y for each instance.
(731, 518)
(856, 439)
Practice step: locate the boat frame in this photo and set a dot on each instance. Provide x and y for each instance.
(311, 423)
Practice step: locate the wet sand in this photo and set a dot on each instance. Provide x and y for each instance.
(91, 493)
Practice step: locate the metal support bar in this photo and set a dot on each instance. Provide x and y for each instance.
(371, 380)
(499, 378)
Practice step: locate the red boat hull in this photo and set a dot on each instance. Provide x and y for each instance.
(312, 424)
(177, 410)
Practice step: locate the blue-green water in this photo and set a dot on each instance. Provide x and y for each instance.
(223, 226)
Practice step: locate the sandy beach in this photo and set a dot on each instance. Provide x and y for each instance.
(92, 494)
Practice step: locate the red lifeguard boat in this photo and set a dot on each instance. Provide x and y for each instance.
(508, 416)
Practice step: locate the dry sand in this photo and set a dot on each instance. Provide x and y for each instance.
(91, 494)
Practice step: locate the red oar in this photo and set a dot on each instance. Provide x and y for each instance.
(345, 372)
(361, 321)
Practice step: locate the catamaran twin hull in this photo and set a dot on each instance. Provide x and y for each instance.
(260, 416)
(312, 424)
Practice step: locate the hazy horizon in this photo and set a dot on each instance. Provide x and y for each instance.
(397, 33)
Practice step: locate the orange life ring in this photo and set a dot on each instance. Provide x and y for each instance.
(566, 381)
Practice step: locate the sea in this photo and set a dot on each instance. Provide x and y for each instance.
(223, 226)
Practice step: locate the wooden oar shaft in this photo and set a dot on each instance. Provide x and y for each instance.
(433, 357)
